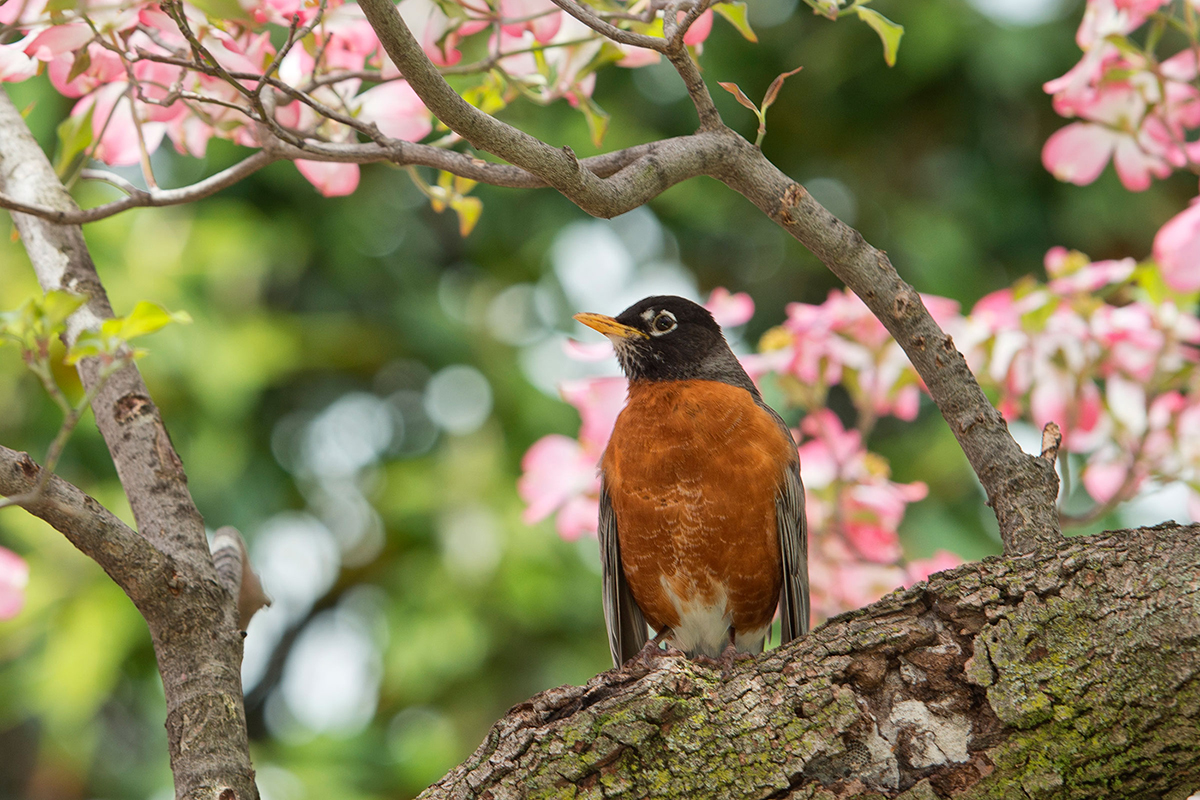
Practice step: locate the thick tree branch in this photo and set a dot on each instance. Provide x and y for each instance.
(1070, 673)
(192, 619)
(128, 558)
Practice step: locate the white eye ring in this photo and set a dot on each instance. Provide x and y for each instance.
(663, 317)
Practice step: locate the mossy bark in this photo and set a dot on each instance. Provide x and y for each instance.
(1069, 672)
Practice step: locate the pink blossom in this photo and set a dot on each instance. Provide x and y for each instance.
(15, 66)
(637, 56)
(555, 470)
(330, 178)
(599, 401)
(699, 30)
(1105, 474)
(104, 67)
(59, 39)
(1079, 152)
(578, 516)
(397, 111)
(115, 127)
(588, 351)
(730, 310)
(14, 577)
(1074, 273)
(920, 569)
(1177, 250)
(540, 17)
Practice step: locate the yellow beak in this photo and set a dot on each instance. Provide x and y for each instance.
(610, 327)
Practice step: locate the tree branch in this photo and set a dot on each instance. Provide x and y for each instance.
(608, 30)
(1072, 673)
(660, 155)
(1021, 489)
(603, 197)
(192, 618)
(129, 559)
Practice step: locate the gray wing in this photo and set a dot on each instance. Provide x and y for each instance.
(793, 545)
(626, 625)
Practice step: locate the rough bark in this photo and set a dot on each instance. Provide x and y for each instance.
(1069, 672)
(192, 618)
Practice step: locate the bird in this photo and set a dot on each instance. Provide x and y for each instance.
(702, 530)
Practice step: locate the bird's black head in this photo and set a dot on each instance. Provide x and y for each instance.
(668, 338)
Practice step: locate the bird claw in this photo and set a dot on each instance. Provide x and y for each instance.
(729, 657)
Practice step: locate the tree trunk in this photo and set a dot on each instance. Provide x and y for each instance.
(1069, 672)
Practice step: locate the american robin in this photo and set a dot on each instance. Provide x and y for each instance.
(702, 529)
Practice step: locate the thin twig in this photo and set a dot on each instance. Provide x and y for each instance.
(54, 452)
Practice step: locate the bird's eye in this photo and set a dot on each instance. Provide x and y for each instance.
(663, 323)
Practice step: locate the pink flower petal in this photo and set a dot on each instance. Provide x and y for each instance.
(1177, 250)
(15, 66)
(588, 351)
(558, 473)
(730, 310)
(580, 515)
(330, 178)
(59, 39)
(1079, 152)
(700, 28)
(14, 577)
(1103, 478)
(599, 401)
(395, 108)
(920, 569)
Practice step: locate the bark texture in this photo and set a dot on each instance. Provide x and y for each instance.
(192, 617)
(1070, 672)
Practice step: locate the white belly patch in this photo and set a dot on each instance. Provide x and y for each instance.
(704, 625)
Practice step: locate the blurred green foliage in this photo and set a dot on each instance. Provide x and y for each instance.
(299, 301)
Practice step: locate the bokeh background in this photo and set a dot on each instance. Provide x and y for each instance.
(361, 382)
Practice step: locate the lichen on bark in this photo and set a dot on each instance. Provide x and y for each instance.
(1068, 672)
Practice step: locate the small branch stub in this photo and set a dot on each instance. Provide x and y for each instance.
(232, 563)
(1051, 441)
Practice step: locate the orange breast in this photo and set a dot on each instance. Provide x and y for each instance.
(693, 469)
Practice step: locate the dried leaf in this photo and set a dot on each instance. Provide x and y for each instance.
(776, 85)
(737, 92)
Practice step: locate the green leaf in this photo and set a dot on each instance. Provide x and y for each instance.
(222, 9)
(145, 318)
(85, 347)
(735, 13)
(597, 119)
(737, 92)
(58, 305)
(83, 60)
(889, 32)
(469, 210)
(1149, 279)
(75, 136)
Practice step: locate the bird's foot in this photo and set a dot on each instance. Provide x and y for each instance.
(729, 657)
(652, 655)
